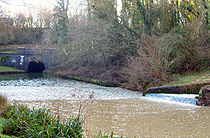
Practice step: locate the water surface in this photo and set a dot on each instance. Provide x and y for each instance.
(111, 109)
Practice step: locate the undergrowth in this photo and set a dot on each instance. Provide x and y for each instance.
(159, 57)
(20, 121)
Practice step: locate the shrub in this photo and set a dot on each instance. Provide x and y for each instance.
(149, 66)
(21, 121)
(157, 57)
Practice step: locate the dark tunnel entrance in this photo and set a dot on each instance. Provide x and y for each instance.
(36, 67)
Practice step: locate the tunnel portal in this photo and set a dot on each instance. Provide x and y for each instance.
(36, 67)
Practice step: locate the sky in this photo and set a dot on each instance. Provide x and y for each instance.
(33, 6)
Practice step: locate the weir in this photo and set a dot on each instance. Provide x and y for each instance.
(173, 98)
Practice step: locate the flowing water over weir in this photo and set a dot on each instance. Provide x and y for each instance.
(179, 99)
(122, 111)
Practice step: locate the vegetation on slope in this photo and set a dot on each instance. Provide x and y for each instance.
(184, 84)
(193, 78)
(140, 47)
(6, 69)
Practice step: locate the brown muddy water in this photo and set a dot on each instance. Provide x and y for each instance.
(106, 109)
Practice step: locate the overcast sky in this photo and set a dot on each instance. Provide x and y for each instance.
(32, 6)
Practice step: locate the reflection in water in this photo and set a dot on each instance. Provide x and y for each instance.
(35, 75)
(121, 111)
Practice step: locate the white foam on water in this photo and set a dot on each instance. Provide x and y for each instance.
(190, 96)
(168, 101)
(58, 89)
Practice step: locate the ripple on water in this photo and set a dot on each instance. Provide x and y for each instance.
(122, 111)
(46, 88)
(59, 89)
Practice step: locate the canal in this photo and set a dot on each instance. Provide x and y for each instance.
(110, 109)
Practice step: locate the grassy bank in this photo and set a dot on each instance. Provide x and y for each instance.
(185, 84)
(4, 70)
(188, 79)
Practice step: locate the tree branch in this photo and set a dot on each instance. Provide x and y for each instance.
(4, 1)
